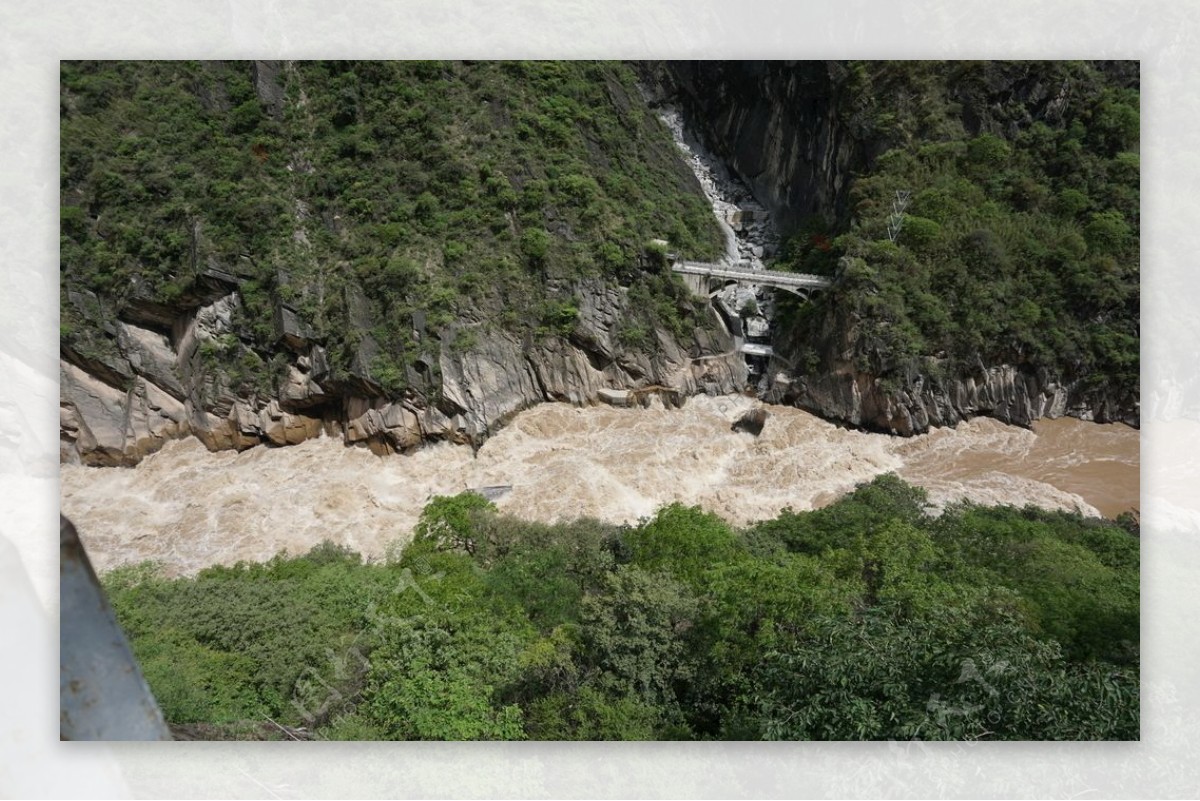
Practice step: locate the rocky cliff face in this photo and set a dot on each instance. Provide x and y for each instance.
(1003, 392)
(1009, 394)
(841, 389)
(158, 386)
(797, 133)
(779, 127)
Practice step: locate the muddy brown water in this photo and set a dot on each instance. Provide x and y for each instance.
(189, 508)
(1099, 463)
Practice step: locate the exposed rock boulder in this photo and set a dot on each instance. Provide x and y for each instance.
(751, 422)
(615, 397)
(300, 390)
(99, 424)
(153, 416)
(282, 428)
(92, 415)
(291, 330)
(150, 355)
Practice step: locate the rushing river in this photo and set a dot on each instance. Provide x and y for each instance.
(190, 508)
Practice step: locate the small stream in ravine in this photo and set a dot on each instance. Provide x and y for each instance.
(750, 238)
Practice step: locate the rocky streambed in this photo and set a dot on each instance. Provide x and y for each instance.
(750, 237)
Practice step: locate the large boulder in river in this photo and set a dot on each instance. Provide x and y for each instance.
(751, 422)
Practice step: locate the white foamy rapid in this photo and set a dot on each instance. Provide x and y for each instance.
(189, 508)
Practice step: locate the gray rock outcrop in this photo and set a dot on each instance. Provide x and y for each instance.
(1004, 392)
(775, 125)
(936, 394)
(158, 387)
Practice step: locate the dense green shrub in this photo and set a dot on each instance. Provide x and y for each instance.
(868, 619)
(1017, 243)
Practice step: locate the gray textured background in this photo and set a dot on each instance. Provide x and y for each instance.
(35, 34)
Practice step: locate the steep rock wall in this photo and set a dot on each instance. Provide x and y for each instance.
(158, 387)
(1005, 392)
(840, 387)
(779, 126)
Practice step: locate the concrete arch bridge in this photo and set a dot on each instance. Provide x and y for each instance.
(707, 279)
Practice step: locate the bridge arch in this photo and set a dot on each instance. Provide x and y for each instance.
(799, 292)
(716, 285)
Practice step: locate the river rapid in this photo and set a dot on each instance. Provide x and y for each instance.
(189, 508)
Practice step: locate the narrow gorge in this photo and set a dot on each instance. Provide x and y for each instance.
(765, 157)
(566, 400)
(800, 133)
(192, 357)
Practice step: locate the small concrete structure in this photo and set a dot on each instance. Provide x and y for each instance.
(755, 349)
(757, 326)
(614, 397)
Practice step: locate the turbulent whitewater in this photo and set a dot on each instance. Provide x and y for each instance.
(190, 508)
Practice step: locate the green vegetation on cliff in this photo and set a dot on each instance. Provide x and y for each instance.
(869, 619)
(1020, 242)
(384, 203)
(383, 210)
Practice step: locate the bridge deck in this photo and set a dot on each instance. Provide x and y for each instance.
(737, 273)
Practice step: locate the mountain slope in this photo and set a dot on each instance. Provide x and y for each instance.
(396, 251)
